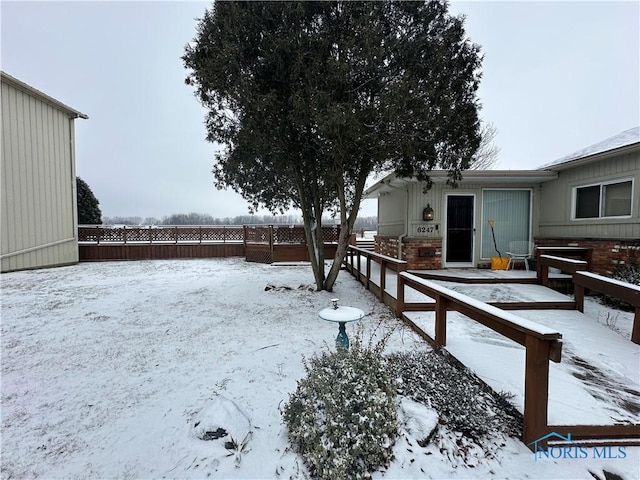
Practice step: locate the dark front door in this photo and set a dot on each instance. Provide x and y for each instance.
(460, 229)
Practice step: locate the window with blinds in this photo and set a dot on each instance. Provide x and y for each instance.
(510, 210)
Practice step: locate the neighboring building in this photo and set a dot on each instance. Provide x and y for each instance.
(39, 226)
(590, 198)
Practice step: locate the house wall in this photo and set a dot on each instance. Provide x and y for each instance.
(611, 240)
(392, 212)
(39, 218)
(423, 242)
(556, 201)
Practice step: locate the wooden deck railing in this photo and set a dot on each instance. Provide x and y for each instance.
(355, 254)
(568, 265)
(580, 253)
(541, 343)
(621, 290)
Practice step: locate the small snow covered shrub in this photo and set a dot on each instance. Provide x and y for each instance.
(628, 269)
(625, 270)
(342, 417)
(465, 404)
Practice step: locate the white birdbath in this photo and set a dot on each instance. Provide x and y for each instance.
(341, 315)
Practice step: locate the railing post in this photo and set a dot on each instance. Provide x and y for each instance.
(175, 233)
(635, 330)
(383, 278)
(578, 293)
(368, 271)
(399, 295)
(271, 241)
(544, 274)
(441, 321)
(98, 231)
(536, 389)
(538, 268)
(124, 234)
(351, 260)
(150, 235)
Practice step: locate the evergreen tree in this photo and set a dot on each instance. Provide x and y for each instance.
(88, 210)
(310, 98)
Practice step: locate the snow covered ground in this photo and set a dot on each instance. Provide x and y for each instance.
(117, 370)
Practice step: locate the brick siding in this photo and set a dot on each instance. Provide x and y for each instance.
(412, 248)
(605, 253)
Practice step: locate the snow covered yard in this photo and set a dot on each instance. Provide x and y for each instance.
(117, 370)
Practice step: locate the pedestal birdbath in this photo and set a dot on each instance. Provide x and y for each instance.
(341, 315)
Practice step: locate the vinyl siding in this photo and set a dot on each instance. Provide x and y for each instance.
(38, 183)
(393, 208)
(557, 201)
(392, 211)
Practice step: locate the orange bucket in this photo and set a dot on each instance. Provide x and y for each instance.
(499, 263)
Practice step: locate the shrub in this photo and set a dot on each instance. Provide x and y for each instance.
(342, 416)
(628, 269)
(625, 270)
(464, 403)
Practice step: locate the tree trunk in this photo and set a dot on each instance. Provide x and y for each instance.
(313, 236)
(341, 251)
(346, 227)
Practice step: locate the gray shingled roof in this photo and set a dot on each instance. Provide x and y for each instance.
(624, 139)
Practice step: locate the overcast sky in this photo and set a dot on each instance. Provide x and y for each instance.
(557, 77)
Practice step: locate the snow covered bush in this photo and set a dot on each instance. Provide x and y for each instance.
(465, 404)
(626, 270)
(342, 416)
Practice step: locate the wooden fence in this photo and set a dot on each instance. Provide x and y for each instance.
(163, 234)
(266, 244)
(284, 243)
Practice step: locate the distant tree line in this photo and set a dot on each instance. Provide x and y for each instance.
(366, 223)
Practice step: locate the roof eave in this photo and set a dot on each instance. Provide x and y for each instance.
(20, 85)
(487, 177)
(576, 162)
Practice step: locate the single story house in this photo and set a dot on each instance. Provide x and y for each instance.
(587, 199)
(39, 221)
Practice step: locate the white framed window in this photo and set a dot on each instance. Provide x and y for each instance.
(603, 200)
